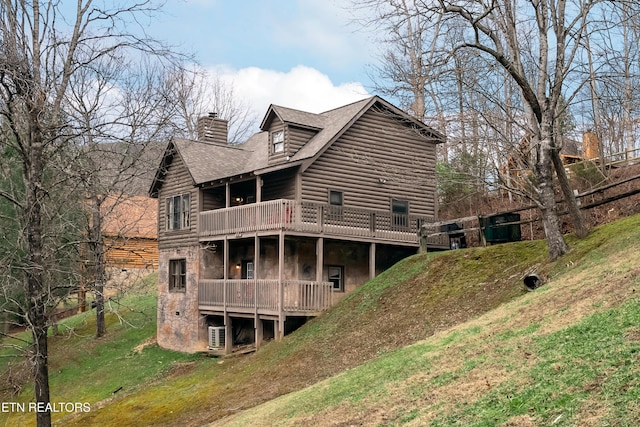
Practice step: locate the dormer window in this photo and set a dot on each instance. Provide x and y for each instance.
(277, 140)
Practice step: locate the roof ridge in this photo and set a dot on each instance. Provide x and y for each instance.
(350, 104)
(209, 143)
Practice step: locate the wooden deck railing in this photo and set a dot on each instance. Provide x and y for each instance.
(297, 295)
(312, 218)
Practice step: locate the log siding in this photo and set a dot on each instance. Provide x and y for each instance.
(375, 160)
(249, 204)
(297, 138)
(279, 185)
(177, 181)
(275, 158)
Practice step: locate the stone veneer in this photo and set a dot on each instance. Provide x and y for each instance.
(180, 326)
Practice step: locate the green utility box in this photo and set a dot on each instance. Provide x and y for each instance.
(501, 228)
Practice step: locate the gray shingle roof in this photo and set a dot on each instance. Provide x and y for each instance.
(208, 162)
(296, 117)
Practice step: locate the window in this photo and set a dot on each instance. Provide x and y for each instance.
(333, 215)
(400, 213)
(247, 270)
(335, 198)
(277, 138)
(336, 277)
(177, 212)
(177, 275)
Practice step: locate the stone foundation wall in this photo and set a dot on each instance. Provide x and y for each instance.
(180, 325)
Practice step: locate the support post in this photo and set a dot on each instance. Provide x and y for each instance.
(372, 260)
(258, 189)
(225, 273)
(259, 331)
(256, 270)
(228, 334)
(281, 317)
(319, 258)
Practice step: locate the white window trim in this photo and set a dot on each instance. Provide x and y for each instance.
(340, 268)
(277, 141)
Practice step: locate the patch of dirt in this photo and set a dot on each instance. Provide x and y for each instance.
(633, 334)
(182, 368)
(138, 349)
(520, 421)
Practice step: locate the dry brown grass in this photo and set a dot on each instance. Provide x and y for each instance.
(477, 290)
(578, 289)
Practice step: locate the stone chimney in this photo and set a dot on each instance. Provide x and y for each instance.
(590, 145)
(212, 129)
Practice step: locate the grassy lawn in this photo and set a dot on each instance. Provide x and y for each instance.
(448, 339)
(564, 355)
(85, 369)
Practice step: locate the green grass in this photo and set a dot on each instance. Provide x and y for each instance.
(592, 356)
(450, 339)
(399, 307)
(85, 369)
(561, 355)
(593, 360)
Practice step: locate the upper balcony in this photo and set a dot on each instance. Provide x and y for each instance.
(312, 218)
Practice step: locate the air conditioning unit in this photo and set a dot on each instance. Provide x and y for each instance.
(216, 337)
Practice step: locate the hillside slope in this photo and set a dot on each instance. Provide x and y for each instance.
(421, 296)
(417, 297)
(564, 355)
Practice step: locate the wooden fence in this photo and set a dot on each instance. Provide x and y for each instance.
(432, 230)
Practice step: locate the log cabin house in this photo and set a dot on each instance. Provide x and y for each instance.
(256, 238)
(130, 231)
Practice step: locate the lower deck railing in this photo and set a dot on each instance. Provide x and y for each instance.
(265, 294)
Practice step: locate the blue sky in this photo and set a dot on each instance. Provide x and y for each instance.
(296, 53)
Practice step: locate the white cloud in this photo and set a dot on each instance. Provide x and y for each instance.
(326, 28)
(302, 88)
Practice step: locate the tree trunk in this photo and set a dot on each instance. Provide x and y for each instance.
(100, 324)
(579, 226)
(548, 208)
(36, 292)
(39, 359)
(99, 267)
(547, 199)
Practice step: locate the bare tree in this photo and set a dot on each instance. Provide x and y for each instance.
(461, 95)
(40, 55)
(197, 92)
(117, 127)
(540, 48)
(114, 149)
(612, 66)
